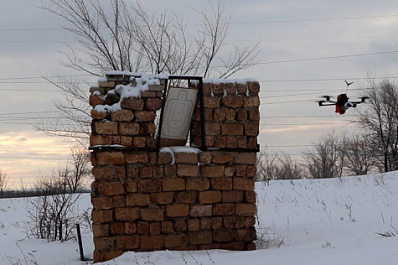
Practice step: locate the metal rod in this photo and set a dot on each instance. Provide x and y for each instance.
(79, 237)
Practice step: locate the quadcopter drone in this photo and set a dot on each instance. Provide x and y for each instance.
(342, 103)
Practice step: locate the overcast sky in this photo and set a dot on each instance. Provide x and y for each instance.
(308, 48)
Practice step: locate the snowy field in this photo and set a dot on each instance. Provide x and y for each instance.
(352, 220)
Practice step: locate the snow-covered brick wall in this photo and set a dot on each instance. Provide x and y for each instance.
(147, 198)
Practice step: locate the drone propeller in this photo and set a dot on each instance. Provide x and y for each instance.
(348, 83)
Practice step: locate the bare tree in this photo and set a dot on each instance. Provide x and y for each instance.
(3, 182)
(358, 153)
(380, 122)
(117, 36)
(327, 160)
(271, 167)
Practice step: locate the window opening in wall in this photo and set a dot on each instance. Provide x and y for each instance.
(179, 104)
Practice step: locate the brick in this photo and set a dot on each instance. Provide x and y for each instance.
(132, 103)
(193, 224)
(243, 184)
(153, 242)
(244, 221)
(241, 87)
(205, 157)
(105, 127)
(221, 183)
(218, 89)
(122, 115)
(143, 228)
(177, 210)
(222, 158)
(223, 209)
(145, 172)
(246, 235)
(253, 86)
(129, 128)
(230, 88)
(250, 196)
(170, 170)
(246, 158)
(212, 128)
(187, 171)
(101, 216)
(251, 102)
(152, 214)
(178, 240)
(130, 228)
(211, 102)
(251, 129)
(109, 158)
(232, 196)
(149, 185)
(100, 256)
(126, 141)
(100, 230)
(110, 188)
(254, 114)
(241, 115)
(127, 242)
(102, 203)
(242, 142)
(117, 228)
(232, 101)
(186, 158)
(197, 184)
(132, 172)
(186, 197)
(144, 116)
(207, 88)
(104, 139)
(225, 235)
(162, 197)
(148, 128)
(153, 103)
(138, 199)
(229, 171)
(205, 223)
(232, 142)
(251, 171)
(98, 115)
(164, 158)
(127, 214)
(154, 228)
(233, 246)
(167, 227)
(180, 224)
(216, 223)
(232, 129)
(245, 209)
(119, 201)
(96, 99)
(211, 196)
(104, 243)
(108, 172)
(139, 142)
(230, 114)
(137, 158)
(173, 184)
(200, 238)
(241, 170)
(201, 210)
(212, 171)
(107, 84)
(219, 115)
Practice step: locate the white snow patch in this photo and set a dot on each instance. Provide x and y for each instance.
(178, 149)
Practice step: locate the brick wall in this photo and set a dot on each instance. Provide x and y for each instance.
(176, 198)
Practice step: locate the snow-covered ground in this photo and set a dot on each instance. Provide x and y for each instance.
(353, 220)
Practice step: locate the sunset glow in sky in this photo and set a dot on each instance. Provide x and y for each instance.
(308, 48)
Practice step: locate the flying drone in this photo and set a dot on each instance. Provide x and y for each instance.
(342, 103)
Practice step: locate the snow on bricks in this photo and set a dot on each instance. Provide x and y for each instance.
(175, 198)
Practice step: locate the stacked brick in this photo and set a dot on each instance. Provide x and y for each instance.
(231, 111)
(131, 125)
(181, 200)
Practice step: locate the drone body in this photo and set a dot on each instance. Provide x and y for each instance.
(342, 103)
